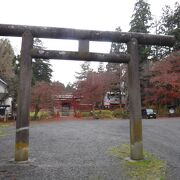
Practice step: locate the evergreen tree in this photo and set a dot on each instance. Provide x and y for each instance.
(41, 67)
(6, 60)
(141, 19)
(176, 23)
(170, 23)
(70, 87)
(119, 70)
(85, 69)
(156, 50)
(7, 66)
(41, 71)
(142, 22)
(116, 48)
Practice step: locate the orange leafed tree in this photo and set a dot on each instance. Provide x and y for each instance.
(43, 95)
(94, 87)
(165, 81)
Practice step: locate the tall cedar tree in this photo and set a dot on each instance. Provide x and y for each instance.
(6, 60)
(7, 66)
(142, 22)
(85, 69)
(119, 83)
(41, 67)
(70, 87)
(169, 24)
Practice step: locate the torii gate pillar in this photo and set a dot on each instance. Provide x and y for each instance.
(22, 123)
(136, 144)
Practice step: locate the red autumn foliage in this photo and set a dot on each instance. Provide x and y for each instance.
(165, 81)
(94, 87)
(43, 95)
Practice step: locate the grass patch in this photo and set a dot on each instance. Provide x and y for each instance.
(2, 127)
(151, 168)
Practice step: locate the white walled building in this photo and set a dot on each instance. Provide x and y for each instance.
(5, 100)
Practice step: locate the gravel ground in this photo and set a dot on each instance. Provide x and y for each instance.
(78, 150)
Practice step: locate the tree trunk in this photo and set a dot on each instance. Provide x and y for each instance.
(37, 109)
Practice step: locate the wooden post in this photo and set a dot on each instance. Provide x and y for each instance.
(83, 46)
(22, 123)
(136, 144)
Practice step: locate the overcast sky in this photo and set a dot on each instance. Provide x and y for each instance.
(79, 14)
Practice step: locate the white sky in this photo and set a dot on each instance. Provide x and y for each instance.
(79, 14)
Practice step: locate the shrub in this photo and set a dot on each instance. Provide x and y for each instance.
(78, 114)
(178, 111)
(86, 114)
(117, 113)
(120, 113)
(162, 111)
(41, 115)
(102, 114)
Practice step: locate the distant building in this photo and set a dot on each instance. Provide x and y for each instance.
(3, 90)
(114, 100)
(5, 100)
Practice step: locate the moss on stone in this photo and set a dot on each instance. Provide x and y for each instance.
(22, 151)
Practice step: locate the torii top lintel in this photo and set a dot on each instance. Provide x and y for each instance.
(91, 35)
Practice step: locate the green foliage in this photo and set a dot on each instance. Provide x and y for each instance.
(102, 114)
(178, 111)
(6, 60)
(149, 168)
(7, 67)
(86, 114)
(41, 71)
(41, 115)
(142, 22)
(162, 111)
(120, 113)
(41, 67)
(170, 23)
(85, 69)
(141, 19)
(70, 87)
(106, 114)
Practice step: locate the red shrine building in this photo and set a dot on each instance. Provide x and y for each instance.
(69, 105)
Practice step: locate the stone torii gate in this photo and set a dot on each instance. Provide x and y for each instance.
(84, 36)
